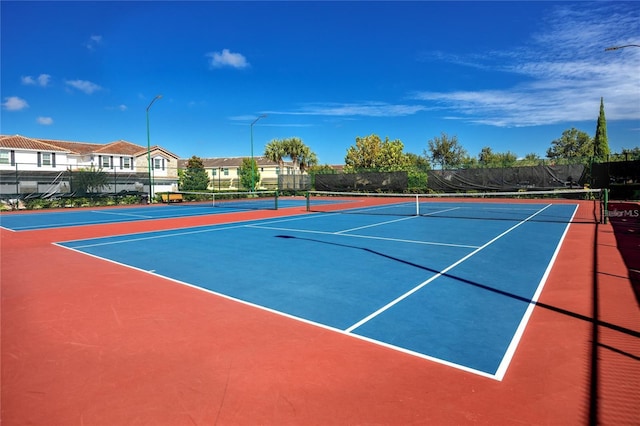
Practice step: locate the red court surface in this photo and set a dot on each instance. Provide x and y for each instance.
(89, 342)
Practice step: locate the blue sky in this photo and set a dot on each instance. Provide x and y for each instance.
(508, 75)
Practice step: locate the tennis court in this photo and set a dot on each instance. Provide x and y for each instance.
(337, 310)
(442, 288)
(202, 206)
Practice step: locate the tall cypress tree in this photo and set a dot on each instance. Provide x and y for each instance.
(600, 141)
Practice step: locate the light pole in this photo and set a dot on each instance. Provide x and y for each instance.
(149, 150)
(253, 184)
(621, 47)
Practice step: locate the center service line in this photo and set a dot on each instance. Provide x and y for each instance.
(439, 274)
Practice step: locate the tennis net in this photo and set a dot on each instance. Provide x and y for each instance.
(571, 205)
(258, 200)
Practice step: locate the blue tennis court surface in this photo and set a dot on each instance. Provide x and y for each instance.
(82, 217)
(454, 291)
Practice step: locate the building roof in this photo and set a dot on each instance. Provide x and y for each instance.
(21, 142)
(120, 147)
(159, 148)
(79, 148)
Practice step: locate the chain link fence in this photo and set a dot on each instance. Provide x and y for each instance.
(24, 181)
(622, 178)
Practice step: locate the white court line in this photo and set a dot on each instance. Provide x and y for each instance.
(293, 317)
(511, 349)
(441, 211)
(165, 234)
(382, 207)
(398, 220)
(61, 225)
(498, 376)
(198, 229)
(429, 243)
(375, 224)
(215, 228)
(93, 221)
(121, 214)
(439, 274)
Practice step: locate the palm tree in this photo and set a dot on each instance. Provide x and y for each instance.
(308, 159)
(294, 147)
(275, 151)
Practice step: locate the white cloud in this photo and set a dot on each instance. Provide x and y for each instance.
(121, 107)
(14, 103)
(84, 86)
(363, 109)
(564, 72)
(42, 80)
(45, 121)
(93, 42)
(367, 109)
(227, 59)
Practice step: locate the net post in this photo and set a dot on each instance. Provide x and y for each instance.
(605, 202)
(276, 199)
(417, 205)
(307, 196)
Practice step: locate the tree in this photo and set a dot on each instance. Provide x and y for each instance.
(392, 157)
(364, 155)
(371, 152)
(276, 151)
(572, 144)
(446, 151)
(418, 162)
(627, 155)
(195, 177)
(532, 156)
(506, 159)
(90, 180)
(417, 169)
(600, 141)
(294, 147)
(300, 154)
(307, 159)
(244, 172)
(531, 159)
(324, 169)
(486, 156)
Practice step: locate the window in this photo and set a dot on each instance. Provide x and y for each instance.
(4, 156)
(157, 163)
(46, 158)
(226, 172)
(277, 170)
(105, 163)
(214, 172)
(126, 162)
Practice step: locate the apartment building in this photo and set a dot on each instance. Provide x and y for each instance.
(46, 166)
